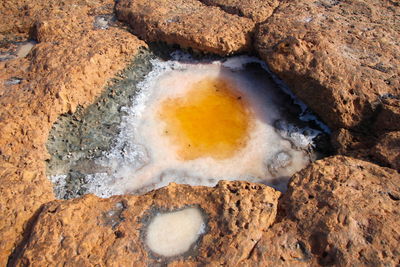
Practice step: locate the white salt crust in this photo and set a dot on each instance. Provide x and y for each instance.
(173, 233)
(143, 158)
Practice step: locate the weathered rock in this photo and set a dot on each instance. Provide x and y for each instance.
(388, 118)
(187, 23)
(256, 10)
(387, 150)
(19, 16)
(338, 211)
(69, 67)
(347, 142)
(110, 232)
(382, 148)
(340, 57)
(337, 56)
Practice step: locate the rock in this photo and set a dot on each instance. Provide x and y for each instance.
(25, 48)
(187, 23)
(387, 150)
(19, 16)
(379, 147)
(339, 57)
(388, 118)
(338, 211)
(89, 230)
(256, 10)
(344, 141)
(69, 67)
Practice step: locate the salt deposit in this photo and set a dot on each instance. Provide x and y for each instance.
(173, 233)
(169, 135)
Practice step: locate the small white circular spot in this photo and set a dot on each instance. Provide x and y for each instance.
(171, 234)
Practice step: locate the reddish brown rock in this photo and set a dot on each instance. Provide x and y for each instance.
(256, 10)
(90, 230)
(338, 211)
(69, 67)
(337, 56)
(388, 118)
(187, 23)
(19, 16)
(387, 150)
(382, 148)
(347, 142)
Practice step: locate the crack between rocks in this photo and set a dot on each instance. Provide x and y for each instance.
(273, 12)
(252, 249)
(223, 10)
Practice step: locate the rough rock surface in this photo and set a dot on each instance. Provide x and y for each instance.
(340, 57)
(109, 232)
(187, 23)
(339, 211)
(256, 10)
(18, 17)
(387, 150)
(388, 118)
(69, 67)
(379, 147)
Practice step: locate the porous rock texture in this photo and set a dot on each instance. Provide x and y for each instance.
(69, 67)
(381, 147)
(256, 10)
(387, 150)
(90, 231)
(188, 23)
(340, 57)
(339, 212)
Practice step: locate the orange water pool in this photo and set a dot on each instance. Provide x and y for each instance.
(212, 119)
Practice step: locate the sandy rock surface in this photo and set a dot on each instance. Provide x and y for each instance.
(256, 10)
(387, 150)
(339, 211)
(188, 23)
(69, 67)
(111, 232)
(388, 118)
(340, 57)
(382, 148)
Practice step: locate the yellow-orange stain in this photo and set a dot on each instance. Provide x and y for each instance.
(211, 119)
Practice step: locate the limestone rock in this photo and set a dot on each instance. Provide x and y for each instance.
(337, 56)
(340, 57)
(69, 67)
(19, 16)
(110, 232)
(256, 10)
(388, 118)
(187, 23)
(382, 148)
(387, 150)
(338, 211)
